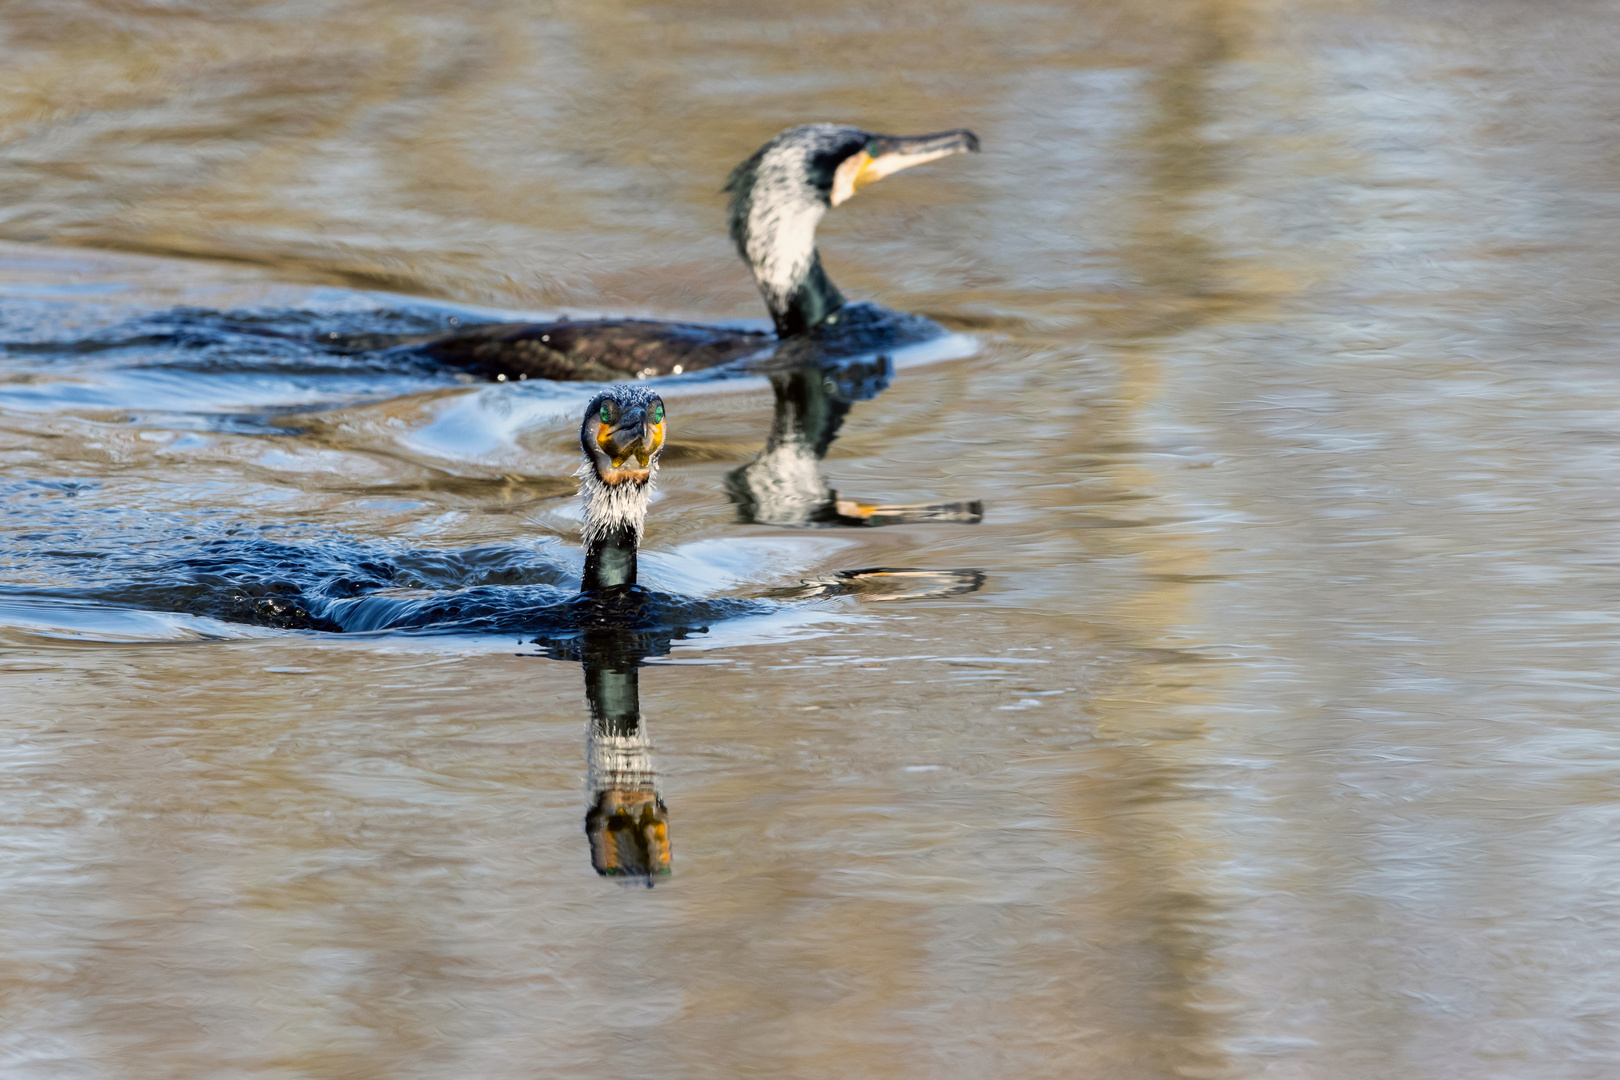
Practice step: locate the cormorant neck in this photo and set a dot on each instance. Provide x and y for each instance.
(610, 559)
(776, 236)
(813, 299)
(614, 515)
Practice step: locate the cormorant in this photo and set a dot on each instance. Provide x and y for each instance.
(303, 578)
(777, 198)
(621, 436)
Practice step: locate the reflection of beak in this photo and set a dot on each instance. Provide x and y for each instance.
(887, 154)
(889, 583)
(851, 512)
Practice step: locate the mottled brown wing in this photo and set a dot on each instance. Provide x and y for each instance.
(598, 350)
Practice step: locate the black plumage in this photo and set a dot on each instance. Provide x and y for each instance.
(596, 350)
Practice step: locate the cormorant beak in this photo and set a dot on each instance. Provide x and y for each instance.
(885, 154)
(625, 450)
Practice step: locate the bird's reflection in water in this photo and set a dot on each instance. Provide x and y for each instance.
(626, 820)
(784, 484)
(627, 823)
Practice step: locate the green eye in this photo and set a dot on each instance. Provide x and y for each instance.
(658, 413)
(605, 415)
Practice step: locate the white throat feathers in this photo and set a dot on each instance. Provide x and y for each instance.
(611, 508)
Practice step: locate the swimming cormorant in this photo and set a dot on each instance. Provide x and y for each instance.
(777, 198)
(621, 436)
(301, 577)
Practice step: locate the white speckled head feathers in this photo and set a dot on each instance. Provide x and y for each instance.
(777, 199)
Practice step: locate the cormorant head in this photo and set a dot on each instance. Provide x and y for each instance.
(623, 434)
(621, 437)
(779, 194)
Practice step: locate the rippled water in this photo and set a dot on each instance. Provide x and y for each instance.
(1264, 726)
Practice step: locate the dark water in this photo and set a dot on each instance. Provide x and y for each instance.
(1264, 726)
